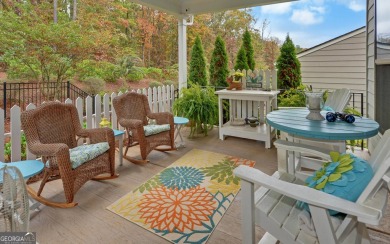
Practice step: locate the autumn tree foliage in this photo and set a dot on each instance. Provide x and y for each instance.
(241, 61)
(198, 73)
(104, 33)
(219, 64)
(247, 45)
(288, 65)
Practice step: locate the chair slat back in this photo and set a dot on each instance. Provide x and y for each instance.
(380, 163)
(339, 99)
(52, 122)
(132, 105)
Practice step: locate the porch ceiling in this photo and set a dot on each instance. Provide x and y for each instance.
(193, 7)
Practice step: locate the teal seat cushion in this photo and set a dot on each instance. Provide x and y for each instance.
(155, 129)
(327, 108)
(346, 177)
(84, 153)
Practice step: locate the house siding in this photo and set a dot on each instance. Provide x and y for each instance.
(337, 64)
(370, 38)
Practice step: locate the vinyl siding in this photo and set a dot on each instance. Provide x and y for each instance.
(371, 68)
(337, 64)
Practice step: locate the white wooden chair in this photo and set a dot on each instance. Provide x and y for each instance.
(338, 99)
(273, 206)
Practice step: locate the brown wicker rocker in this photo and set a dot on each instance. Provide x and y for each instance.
(133, 112)
(51, 130)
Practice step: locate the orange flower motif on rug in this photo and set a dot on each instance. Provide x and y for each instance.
(170, 209)
(184, 202)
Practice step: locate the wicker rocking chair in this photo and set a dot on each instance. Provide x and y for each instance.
(133, 113)
(51, 131)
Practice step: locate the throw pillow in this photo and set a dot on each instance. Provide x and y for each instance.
(346, 177)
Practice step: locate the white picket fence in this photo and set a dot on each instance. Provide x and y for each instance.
(160, 100)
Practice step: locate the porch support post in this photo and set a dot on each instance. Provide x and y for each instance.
(182, 53)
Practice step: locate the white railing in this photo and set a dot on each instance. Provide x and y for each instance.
(160, 100)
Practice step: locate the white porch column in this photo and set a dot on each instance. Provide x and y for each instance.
(182, 53)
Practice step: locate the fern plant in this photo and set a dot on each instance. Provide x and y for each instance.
(200, 106)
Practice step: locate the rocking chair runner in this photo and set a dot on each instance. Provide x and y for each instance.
(273, 206)
(133, 113)
(51, 130)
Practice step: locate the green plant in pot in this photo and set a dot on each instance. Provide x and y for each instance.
(200, 106)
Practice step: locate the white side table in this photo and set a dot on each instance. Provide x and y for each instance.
(119, 135)
(179, 123)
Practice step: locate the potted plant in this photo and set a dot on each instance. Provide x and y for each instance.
(200, 106)
(238, 76)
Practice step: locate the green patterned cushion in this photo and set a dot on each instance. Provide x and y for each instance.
(84, 153)
(155, 129)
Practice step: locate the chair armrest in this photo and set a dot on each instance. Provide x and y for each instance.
(130, 123)
(47, 150)
(308, 195)
(58, 152)
(97, 135)
(302, 148)
(162, 117)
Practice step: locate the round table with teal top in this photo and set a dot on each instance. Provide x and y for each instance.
(327, 135)
(179, 123)
(294, 122)
(28, 168)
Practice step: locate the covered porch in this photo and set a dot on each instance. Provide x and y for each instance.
(91, 222)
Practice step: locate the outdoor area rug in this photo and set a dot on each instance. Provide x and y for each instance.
(184, 202)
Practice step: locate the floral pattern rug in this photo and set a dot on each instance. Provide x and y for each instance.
(184, 202)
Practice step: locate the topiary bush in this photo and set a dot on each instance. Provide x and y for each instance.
(219, 70)
(250, 52)
(94, 85)
(289, 67)
(241, 60)
(198, 72)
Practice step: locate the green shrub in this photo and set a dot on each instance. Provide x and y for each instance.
(109, 72)
(155, 84)
(200, 106)
(94, 85)
(170, 74)
(135, 74)
(292, 98)
(154, 73)
(169, 82)
(88, 68)
(7, 149)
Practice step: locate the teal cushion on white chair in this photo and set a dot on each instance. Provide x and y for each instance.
(155, 129)
(84, 153)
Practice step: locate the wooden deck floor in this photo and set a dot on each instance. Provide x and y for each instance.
(90, 222)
